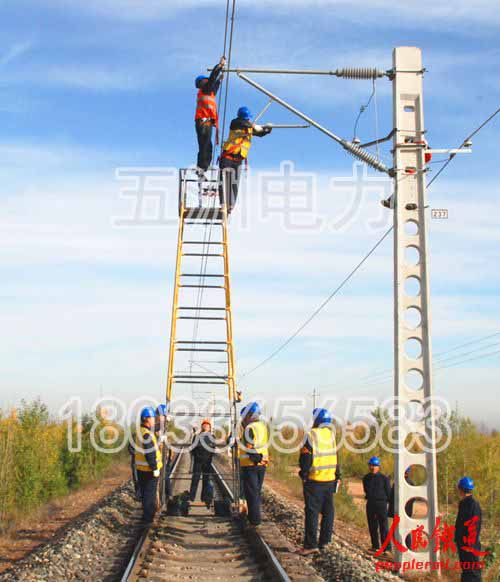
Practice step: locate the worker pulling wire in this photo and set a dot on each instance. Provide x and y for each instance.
(234, 152)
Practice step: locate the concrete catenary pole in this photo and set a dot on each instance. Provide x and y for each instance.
(413, 388)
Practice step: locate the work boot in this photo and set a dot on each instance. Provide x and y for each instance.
(200, 172)
(307, 551)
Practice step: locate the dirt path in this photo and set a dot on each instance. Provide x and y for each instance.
(49, 522)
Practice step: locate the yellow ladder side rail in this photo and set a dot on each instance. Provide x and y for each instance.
(229, 322)
(175, 300)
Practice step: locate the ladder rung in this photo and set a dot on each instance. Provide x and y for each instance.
(198, 342)
(198, 377)
(198, 382)
(205, 308)
(204, 223)
(200, 350)
(200, 275)
(202, 242)
(204, 286)
(202, 318)
(202, 255)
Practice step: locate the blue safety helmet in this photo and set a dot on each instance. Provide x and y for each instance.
(466, 484)
(162, 410)
(375, 461)
(244, 113)
(252, 409)
(148, 412)
(198, 80)
(321, 416)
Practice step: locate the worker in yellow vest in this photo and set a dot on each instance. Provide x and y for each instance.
(235, 151)
(148, 462)
(320, 474)
(253, 453)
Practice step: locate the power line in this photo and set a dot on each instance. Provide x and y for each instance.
(282, 346)
(386, 373)
(323, 304)
(468, 138)
(469, 360)
(207, 239)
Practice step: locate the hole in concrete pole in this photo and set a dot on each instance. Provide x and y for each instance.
(413, 317)
(412, 286)
(412, 255)
(413, 348)
(414, 379)
(416, 476)
(411, 228)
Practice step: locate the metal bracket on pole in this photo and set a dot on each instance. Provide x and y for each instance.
(345, 73)
(353, 149)
(412, 344)
(285, 126)
(266, 107)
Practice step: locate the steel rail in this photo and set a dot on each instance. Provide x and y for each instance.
(142, 545)
(278, 572)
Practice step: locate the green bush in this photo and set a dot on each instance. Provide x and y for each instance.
(36, 464)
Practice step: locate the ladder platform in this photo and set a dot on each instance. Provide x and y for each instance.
(203, 213)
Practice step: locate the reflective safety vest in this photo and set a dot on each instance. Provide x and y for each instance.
(324, 452)
(259, 446)
(238, 143)
(206, 107)
(140, 458)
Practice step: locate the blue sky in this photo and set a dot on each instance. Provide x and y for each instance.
(86, 87)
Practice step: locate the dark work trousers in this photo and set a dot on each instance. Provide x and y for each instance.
(229, 179)
(137, 489)
(318, 498)
(469, 562)
(205, 148)
(253, 479)
(148, 485)
(376, 514)
(206, 489)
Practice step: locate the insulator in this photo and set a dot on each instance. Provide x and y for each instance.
(359, 73)
(366, 157)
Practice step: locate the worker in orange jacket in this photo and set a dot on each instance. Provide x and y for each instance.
(206, 116)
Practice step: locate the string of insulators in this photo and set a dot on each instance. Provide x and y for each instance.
(365, 156)
(359, 73)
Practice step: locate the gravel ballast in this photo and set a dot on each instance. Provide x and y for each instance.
(341, 561)
(95, 547)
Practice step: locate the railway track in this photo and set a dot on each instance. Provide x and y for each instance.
(205, 546)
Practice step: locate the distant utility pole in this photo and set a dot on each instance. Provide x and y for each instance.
(315, 394)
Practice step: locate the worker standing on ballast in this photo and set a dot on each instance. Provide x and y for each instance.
(253, 453)
(234, 152)
(202, 454)
(206, 116)
(148, 463)
(377, 488)
(468, 531)
(320, 474)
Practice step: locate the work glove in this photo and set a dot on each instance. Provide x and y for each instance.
(257, 459)
(156, 473)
